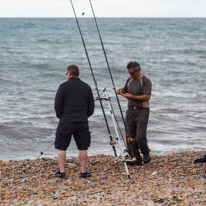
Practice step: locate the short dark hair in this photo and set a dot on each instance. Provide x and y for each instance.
(135, 65)
(73, 69)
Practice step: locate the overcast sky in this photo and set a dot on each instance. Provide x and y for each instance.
(103, 8)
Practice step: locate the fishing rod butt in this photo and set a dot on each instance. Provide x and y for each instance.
(134, 159)
(116, 158)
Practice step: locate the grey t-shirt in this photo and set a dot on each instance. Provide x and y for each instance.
(138, 87)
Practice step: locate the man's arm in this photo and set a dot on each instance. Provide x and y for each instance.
(90, 109)
(58, 104)
(141, 98)
(123, 90)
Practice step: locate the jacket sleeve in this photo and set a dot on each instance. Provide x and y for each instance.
(90, 109)
(58, 104)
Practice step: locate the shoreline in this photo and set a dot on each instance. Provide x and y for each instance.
(171, 179)
(52, 153)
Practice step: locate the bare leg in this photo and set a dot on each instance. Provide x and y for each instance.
(83, 160)
(61, 159)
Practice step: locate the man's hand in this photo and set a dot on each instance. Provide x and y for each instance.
(128, 96)
(119, 91)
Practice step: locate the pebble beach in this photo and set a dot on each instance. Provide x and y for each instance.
(171, 179)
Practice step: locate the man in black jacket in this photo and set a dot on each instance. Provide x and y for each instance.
(74, 103)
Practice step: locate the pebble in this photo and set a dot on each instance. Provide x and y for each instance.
(171, 179)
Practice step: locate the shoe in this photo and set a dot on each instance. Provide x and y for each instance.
(130, 162)
(60, 175)
(85, 174)
(146, 158)
(201, 160)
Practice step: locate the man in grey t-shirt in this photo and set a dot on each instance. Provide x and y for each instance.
(138, 91)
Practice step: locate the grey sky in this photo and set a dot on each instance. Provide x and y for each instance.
(103, 8)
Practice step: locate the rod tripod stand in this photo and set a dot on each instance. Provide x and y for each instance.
(118, 132)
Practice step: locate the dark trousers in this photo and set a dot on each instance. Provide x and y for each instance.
(137, 120)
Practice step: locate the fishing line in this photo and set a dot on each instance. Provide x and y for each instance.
(95, 82)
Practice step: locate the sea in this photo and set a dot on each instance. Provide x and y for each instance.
(34, 53)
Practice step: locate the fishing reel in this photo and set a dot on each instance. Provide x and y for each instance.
(113, 142)
(131, 140)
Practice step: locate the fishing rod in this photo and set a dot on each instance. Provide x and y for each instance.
(95, 82)
(109, 69)
(41, 153)
(129, 138)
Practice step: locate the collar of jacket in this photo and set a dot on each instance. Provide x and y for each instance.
(71, 78)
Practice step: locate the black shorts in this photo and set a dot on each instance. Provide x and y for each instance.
(80, 132)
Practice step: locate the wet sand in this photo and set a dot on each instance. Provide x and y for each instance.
(171, 179)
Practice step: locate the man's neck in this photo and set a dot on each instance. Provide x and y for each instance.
(73, 77)
(139, 76)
